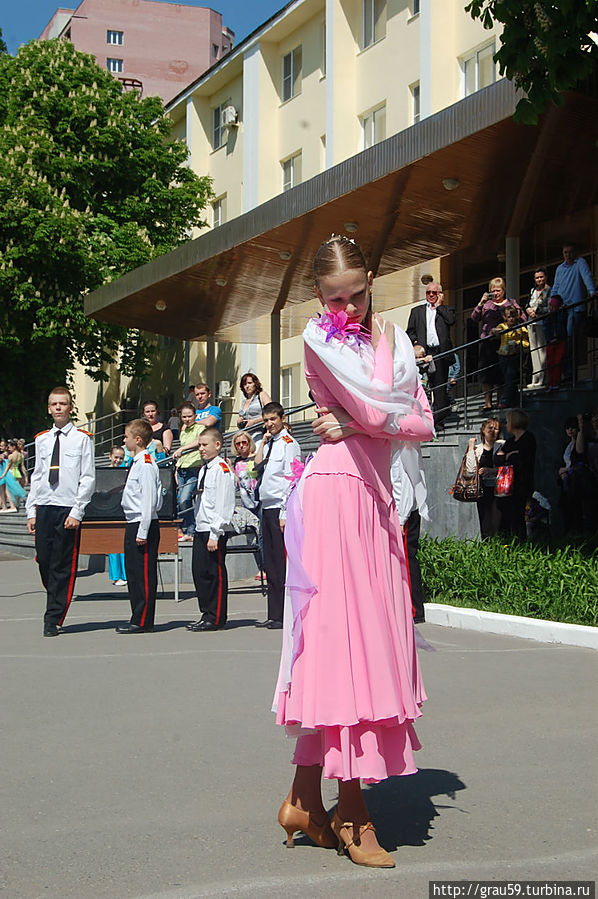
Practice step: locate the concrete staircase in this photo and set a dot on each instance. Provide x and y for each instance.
(13, 534)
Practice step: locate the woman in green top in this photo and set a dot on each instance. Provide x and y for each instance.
(187, 469)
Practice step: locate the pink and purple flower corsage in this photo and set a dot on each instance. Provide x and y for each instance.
(338, 325)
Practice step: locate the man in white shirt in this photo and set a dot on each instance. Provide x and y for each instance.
(141, 501)
(214, 508)
(62, 484)
(429, 326)
(275, 455)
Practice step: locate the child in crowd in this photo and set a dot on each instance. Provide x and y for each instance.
(214, 509)
(425, 367)
(141, 501)
(62, 484)
(188, 463)
(555, 333)
(512, 344)
(116, 561)
(275, 455)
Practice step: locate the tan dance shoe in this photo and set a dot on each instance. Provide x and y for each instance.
(292, 819)
(349, 839)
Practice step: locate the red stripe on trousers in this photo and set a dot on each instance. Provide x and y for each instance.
(71, 587)
(146, 581)
(219, 584)
(408, 572)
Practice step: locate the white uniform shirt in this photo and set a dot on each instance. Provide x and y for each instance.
(276, 480)
(431, 333)
(215, 505)
(142, 496)
(77, 472)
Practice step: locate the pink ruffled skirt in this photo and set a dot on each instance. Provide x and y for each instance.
(355, 683)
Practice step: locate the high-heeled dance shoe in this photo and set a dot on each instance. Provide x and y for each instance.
(292, 819)
(348, 836)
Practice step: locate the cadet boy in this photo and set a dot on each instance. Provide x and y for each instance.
(274, 487)
(141, 500)
(62, 484)
(214, 507)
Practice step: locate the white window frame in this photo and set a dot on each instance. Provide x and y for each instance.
(415, 92)
(291, 171)
(219, 211)
(115, 66)
(292, 73)
(373, 11)
(114, 38)
(218, 137)
(290, 374)
(474, 58)
(369, 126)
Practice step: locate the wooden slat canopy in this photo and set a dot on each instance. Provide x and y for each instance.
(227, 282)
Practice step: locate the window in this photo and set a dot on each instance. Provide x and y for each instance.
(291, 171)
(218, 212)
(289, 382)
(374, 21)
(114, 65)
(479, 70)
(415, 7)
(414, 88)
(374, 127)
(291, 74)
(323, 58)
(218, 138)
(215, 49)
(114, 37)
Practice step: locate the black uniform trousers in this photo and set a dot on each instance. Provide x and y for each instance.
(141, 567)
(57, 553)
(275, 562)
(210, 578)
(411, 537)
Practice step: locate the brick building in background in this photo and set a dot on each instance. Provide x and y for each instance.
(155, 46)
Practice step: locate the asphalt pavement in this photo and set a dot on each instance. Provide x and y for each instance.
(150, 765)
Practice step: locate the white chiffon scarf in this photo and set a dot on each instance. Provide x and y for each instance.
(352, 364)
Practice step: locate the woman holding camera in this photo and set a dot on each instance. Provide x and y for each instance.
(489, 313)
(254, 399)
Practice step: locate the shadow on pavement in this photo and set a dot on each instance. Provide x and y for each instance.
(402, 807)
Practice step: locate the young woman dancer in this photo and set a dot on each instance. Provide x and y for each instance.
(349, 682)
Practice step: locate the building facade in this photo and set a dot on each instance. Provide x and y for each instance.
(150, 45)
(323, 88)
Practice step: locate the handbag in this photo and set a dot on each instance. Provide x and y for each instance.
(504, 481)
(467, 488)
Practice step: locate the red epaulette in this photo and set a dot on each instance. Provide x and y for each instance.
(83, 431)
(147, 457)
(225, 467)
(39, 434)
(287, 439)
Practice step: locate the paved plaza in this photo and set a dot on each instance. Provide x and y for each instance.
(150, 766)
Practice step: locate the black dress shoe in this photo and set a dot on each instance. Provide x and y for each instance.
(265, 623)
(207, 626)
(51, 630)
(133, 629)
(193, 625)
(274, 625)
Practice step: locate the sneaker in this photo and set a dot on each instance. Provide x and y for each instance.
(120, 583)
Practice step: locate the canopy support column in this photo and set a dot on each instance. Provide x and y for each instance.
(275, 356)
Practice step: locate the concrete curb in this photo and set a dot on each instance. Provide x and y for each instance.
(513, 625)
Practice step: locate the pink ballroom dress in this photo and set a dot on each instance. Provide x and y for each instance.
(355, 685)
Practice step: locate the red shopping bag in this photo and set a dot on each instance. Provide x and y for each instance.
(504, 481)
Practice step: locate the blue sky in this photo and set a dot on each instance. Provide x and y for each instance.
(23, 20)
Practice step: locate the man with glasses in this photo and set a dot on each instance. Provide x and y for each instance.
(430, 326)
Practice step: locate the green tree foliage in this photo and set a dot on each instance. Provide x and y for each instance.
(91, 186)
(3, 48)
(546, 46)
